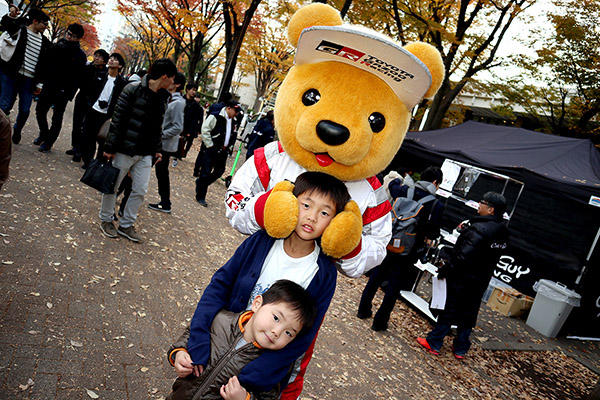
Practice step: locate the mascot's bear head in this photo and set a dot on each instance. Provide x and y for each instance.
(345, 106)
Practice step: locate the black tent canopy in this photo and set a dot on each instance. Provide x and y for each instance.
(554, 224)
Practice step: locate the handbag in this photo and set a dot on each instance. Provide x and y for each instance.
(8, 44)
(102, 176)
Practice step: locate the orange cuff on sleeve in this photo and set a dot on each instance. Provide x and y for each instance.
(172, 353)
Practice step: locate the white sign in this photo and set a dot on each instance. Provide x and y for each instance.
(594, 201)
(451, 172)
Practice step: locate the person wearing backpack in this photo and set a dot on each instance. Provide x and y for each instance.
(417, 216)
(218, 137)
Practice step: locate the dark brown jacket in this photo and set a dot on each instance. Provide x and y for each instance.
(224, 362)
(5, 147)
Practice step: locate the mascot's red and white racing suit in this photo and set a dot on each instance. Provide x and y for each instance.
(246, 198)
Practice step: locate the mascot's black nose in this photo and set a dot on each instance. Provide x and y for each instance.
(331, 133)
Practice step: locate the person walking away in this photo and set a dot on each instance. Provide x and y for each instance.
(397, 269)
(103, 106)
(90, 86)
(218, 138)
(134, 137)
(467, 273)
(193, 116)
(21, 74)
(60, 82)
(214, 108)
(263, 133)
(172, 127)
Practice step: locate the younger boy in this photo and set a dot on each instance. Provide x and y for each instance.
(258, 263)
(276, 318)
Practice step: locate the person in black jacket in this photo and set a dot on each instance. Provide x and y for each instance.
(193, 116)
(134, 138)
(467, 273)
(101, 108)
(263, 133)
(397, 269)
(218, 138)
(91, 84)
(22, 73)
(61, 80)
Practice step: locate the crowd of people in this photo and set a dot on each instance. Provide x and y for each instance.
(256, 322)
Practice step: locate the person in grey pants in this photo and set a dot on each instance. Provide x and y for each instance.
(134, 138)
(171, 129)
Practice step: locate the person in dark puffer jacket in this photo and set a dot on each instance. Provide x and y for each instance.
(134, 137)
(467, 273)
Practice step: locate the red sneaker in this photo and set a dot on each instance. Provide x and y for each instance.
(458, 356)
(423, 342)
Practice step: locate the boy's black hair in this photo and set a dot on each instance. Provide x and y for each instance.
(102, 53)
(431, 174)
(327, 185)
(38, 15)
(161, 67)
(191, 85)
(77, 30)
(286, 291)
(141, 73)
(119, 58)
(179, 81)
(233, 104)
(497, 201)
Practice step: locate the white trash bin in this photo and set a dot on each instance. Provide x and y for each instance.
(552, 305)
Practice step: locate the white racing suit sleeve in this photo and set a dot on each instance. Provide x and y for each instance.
(375, 238)
(241, 197)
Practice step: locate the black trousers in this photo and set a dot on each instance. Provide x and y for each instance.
(162, 177)
(212, 163)
(80, 108)
(399, 274)
(49, 98)
(185, 144)
(91, 125)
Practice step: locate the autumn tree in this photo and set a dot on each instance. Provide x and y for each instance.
(237, 16)
(560, 83)
(267, 55)
(191, 25)
(133, 52)
(467, 33)
(49, 5)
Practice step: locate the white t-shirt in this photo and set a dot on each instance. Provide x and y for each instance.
(105, 94)
(278, 265)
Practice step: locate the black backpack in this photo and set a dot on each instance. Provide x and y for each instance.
(405, 215)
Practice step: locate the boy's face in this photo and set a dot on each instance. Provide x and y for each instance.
(314, 215)
(273, 325)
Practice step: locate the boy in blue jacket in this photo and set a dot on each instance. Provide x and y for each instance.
(257, 264)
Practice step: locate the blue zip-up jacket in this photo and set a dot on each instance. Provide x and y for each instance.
(230, 289)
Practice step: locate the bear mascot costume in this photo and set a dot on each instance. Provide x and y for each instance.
(343, 109)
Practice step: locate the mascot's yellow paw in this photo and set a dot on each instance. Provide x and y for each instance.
(281, 211)
(343, 233)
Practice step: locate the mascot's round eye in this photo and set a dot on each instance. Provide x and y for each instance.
(377, 122)
(310, 97)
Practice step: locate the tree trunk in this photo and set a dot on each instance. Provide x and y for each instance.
(345, 8)
(234, 50)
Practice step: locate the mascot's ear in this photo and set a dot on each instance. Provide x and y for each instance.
(431, 57)
(314, 14)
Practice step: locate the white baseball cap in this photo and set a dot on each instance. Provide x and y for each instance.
(370, 51)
